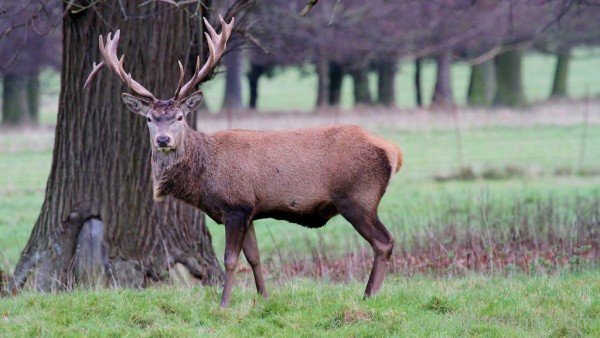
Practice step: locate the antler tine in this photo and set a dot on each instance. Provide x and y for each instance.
(217, 44)
(96, 68)
(181, 76)
(109, 54)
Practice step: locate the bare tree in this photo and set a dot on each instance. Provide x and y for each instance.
(28, 42)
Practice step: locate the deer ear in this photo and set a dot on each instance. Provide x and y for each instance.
(136, 104)
(192, 102)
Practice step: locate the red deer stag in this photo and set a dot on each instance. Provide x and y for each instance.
(304, 176)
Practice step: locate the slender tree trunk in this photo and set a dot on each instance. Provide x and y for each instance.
(33, 97)
(360, 79)
(510, 84)
(442, 93)
(559, 85)
(336, 77)
(418, 91)
(322, 82)
(233, 79)
(482, 84)
(98, 213)
(386, 83)
(256, 71)
(14, 111)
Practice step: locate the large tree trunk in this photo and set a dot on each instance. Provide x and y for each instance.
(233, 79)
(508, 74)
(256, 71)
(360, 79)
(418, 89)
(14, 111)
(442, 93)
(98, 214)
(482, 84)
(386, 83)
(336, 77)
(559, 85)
(33, 97)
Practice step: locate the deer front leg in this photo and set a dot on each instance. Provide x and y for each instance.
(253, 257)
(236, 226)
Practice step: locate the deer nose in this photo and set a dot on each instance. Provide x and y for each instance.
(163, 141)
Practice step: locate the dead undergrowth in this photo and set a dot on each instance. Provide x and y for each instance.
(544, 236)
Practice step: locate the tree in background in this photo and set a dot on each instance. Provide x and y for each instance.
(98, 222)
(576, 25)
(29, 41)
(234, 70)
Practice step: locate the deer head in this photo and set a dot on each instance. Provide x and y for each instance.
(166, 118)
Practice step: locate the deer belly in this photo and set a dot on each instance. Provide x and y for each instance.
(311, 216)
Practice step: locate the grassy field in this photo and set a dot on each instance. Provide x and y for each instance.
(413, 199)
(520, 303)
(558, 306)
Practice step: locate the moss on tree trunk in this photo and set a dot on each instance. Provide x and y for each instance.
(33, 97)
(386, 83)
(256, 71)
(14, 110)
(509, 91)
(561, 72)
(417, 79)
(336, 76)
(360, 80)
(482, 84)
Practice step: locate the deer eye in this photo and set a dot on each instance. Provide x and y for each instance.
(148, 119)
(180, 117)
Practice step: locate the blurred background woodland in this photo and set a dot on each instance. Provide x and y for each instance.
(349, 53)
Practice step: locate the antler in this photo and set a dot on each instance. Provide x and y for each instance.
(109, 54)
(216, 46)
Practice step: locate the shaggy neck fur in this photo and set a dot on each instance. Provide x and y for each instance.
(171, 171)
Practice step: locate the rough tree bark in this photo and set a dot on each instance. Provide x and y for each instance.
(386, 82)
(256, 71)
(509, 91)
(559, 85)
(418, 91)
(482, 84)
(14, 111)
(33, 97)
(442, 93)
(360, 80)
(233, 79)
(336, 77)
(100, 175)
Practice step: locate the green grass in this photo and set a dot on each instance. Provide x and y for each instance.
(409, 197)
(566, 305)
(412, 200)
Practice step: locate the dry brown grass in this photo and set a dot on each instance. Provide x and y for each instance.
(544, 236)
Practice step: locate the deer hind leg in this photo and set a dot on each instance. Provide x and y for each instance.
(236, 225)
(253, 257)
(368, 225)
